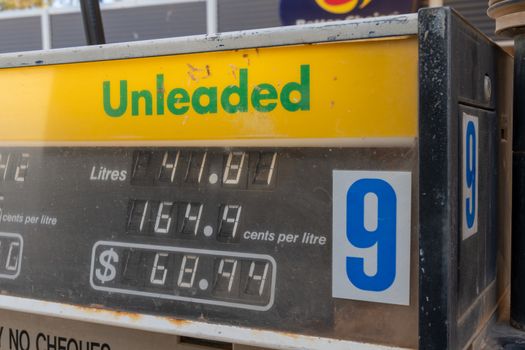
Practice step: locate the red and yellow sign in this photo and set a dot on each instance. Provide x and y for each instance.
(342, 6)
(314, 11)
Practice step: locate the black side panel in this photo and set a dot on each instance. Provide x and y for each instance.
(474, 87)
(477, 253)
(517, 312)
(458, 83)
(438, 183)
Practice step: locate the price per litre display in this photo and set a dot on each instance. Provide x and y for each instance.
(234, 236)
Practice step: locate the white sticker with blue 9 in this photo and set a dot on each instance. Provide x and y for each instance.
(470, 175)
(371, 236)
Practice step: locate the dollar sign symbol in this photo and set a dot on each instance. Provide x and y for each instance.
(106, 259)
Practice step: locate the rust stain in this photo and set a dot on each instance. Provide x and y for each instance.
(294, 336)
(247, 58)
(192, 68)
(178, 322)
(100, 309)
(234, 70)
(198, 73)
(290, 335)
(192, 77)
(96, 309)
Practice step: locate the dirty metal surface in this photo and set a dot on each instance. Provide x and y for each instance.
(31, 331)
(368, 28)
(242, 338)
(462, 74)
(102, 231)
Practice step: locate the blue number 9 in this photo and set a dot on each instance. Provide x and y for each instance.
(471, 159)
(384, 235)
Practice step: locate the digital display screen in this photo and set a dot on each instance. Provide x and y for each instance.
(237, 236)
(201, 276)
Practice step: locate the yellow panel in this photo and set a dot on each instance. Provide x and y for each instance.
(361, 89)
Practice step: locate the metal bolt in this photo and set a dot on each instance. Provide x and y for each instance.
(487, 88)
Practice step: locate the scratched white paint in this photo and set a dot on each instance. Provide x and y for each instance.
(231, 334)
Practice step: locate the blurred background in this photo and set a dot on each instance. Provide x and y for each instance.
(43, 24)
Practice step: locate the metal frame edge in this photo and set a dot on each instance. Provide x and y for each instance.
(368, 28)
(435, 216)
(237, 335)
